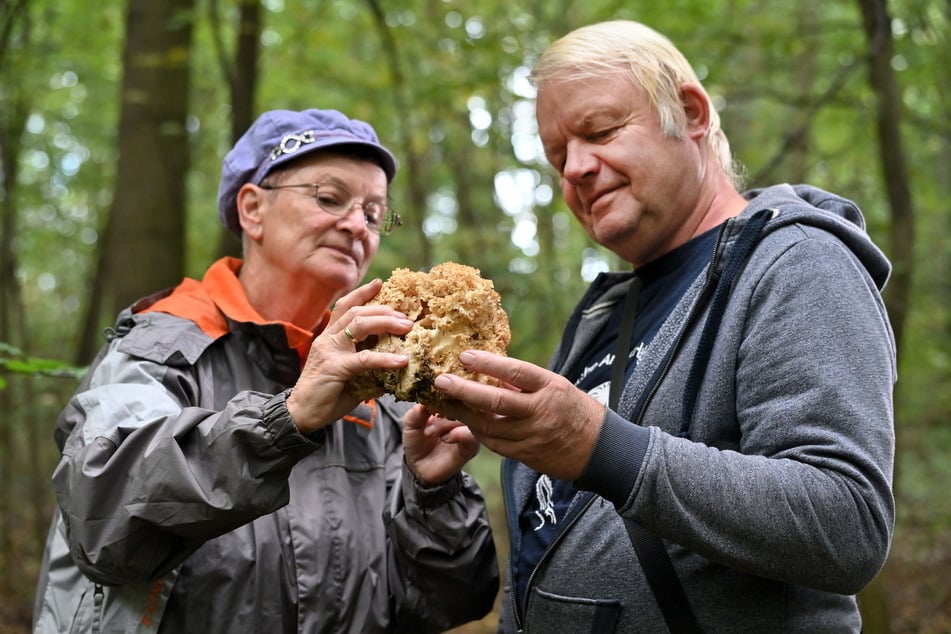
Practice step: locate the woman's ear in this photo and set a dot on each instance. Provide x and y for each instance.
(250, 202)
(697, 109)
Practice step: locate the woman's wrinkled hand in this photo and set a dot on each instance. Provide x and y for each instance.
(319, 397)
(436, 448)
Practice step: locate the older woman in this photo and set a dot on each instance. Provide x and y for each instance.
(217, 477)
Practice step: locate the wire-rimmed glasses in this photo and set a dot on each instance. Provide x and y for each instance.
(337, 200)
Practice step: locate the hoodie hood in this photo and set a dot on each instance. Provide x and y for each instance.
(805, 204)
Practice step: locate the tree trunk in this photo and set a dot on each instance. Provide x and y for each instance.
(10, 309)
(144, 243)
(241, 75)
(412, 159)
(806, 66)
(13, 114)
(888, 115)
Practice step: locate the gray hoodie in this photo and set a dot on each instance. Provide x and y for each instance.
(773, 494)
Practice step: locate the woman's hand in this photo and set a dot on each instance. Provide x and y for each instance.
(436, 448)
(319, 397)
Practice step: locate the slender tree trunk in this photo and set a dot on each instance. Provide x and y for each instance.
(888, 117)
(13, 112)
(90, 338)
(806, 66)
(412, 159)
(17, 441)
(241, 75)
(8, 301)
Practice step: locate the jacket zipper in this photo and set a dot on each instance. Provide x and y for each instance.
(97, 606)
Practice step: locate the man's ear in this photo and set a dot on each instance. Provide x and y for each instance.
(696, 108)
(250, 202)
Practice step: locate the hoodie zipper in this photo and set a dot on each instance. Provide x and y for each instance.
(508, 502)
(506, 475)
(551, 547)
(691, 317)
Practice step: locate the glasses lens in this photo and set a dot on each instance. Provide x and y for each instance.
(337, 200)
(333, 199)
(375, 214)
(390, 223)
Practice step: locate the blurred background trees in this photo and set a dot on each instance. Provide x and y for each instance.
(114, 119)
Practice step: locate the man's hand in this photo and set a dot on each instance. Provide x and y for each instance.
(538, 418)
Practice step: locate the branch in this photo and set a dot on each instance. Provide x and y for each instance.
(795, 136)
(14, 362)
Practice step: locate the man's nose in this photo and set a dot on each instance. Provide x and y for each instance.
(580, 162)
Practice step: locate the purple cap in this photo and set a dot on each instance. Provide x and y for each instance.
(279, 136)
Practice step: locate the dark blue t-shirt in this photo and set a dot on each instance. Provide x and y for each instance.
(663, 283)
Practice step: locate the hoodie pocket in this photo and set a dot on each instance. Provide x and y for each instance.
(555, 613)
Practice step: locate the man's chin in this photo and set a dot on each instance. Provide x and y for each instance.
(615, 237)
(608, 233)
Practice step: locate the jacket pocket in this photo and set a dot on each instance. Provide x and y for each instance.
(555, 613)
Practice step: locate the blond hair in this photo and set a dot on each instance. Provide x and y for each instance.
(653, 63)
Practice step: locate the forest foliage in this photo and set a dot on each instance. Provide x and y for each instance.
(101, 205)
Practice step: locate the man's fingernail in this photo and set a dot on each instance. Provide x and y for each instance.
(442, 382)
(466, 357)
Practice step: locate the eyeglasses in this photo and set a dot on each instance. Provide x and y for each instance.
(337, 200)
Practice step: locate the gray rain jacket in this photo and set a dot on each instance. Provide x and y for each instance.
(773, 494)
(190, 502)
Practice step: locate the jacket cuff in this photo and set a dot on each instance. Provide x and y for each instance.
(616, 460)
(284, 430)
(430, 497)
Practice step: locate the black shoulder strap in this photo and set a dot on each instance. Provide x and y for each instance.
(749, 236)
(650, 550)
(622, 348)
(662, 579)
